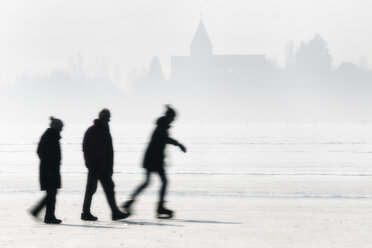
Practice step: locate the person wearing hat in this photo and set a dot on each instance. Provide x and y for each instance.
(154, 162)
(99, 159)
(49, 152)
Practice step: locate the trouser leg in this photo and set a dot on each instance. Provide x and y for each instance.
(142, 186)
(91, 188)
(163, 188)
(36, 210)
(108, 187)
(51, 203)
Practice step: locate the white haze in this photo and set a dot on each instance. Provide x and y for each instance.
(40, 35)
(105, 47)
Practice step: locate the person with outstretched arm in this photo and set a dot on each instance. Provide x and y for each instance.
(154, 162)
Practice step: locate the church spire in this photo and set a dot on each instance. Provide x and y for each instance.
(155, 71)
(201, 45)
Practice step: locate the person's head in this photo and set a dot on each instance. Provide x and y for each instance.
(104, 116)
(56, 124)
(170, 113)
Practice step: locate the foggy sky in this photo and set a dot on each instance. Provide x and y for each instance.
(40, 35)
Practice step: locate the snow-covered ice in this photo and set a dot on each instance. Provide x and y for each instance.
(304, 185)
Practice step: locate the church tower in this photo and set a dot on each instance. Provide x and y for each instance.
(155, 71)
(201, 45)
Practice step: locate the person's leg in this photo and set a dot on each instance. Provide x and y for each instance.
(162, 212)
(50, 204)
(50, 217)
(163, 188)
(128, 204)
(36, 210)
(91, 188)
(142, 186)
(108, 187)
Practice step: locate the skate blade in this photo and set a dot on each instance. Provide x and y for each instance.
(164, 216)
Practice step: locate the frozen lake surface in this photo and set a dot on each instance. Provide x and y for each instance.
(307, 185)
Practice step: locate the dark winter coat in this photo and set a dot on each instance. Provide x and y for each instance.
(154, 155)
(98, 149)
(49, 152)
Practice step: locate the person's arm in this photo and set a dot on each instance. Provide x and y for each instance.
(172, 141)
(176, 143)
(89, 149)
(41, 148)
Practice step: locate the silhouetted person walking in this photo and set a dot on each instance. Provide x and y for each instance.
(154, 162)
(49, 152)
(99, 159)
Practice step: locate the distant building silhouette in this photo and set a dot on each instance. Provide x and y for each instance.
(155, 71)
(203, 64)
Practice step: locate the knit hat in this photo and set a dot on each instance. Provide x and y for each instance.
(170, 111)
(55, 123)
(104, 113)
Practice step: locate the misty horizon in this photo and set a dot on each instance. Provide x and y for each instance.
(37, 38)
(100, 65)
(240, 65)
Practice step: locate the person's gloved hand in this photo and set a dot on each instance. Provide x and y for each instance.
(182, 147)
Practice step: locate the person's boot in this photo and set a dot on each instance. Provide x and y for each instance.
(88, 217)
(162, 212)
(127, 206)
(34, 213)
(52, 220)
(118, 215)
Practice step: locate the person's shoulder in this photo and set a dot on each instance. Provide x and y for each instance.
(90, 129)
(161, 121)
(47, 133)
